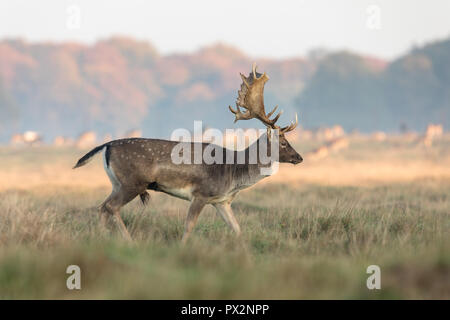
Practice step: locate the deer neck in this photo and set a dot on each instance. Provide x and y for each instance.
(249, 172)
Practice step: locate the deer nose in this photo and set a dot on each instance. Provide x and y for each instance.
(299, 158)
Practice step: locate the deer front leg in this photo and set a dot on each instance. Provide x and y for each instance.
(195, 208)
(224, 209)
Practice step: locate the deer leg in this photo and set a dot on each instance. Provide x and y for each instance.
(224, 209)
(105, 214)
(111, 209)
(195, 208)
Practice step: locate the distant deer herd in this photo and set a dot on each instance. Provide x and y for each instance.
(334, 138)
(86, 139)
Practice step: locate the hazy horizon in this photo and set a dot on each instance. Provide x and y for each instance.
(349, 63)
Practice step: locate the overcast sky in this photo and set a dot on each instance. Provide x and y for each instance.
(275, 28)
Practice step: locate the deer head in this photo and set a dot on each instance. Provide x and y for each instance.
(251, 99)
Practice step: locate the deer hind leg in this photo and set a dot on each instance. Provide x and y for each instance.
(111, 209)
(224, 210)
(105, 215)
(195, 208)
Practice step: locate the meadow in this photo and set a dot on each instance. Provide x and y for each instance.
(309, 232)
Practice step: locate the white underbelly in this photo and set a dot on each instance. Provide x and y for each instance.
(182, 193)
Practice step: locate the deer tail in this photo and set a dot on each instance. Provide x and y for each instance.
(88, 156)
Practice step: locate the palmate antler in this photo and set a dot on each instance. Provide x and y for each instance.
(251, 98)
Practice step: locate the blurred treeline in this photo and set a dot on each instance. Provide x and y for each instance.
(120, 84)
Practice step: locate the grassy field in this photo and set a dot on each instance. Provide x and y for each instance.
(310, 231)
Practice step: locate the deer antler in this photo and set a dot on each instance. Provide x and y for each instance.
(290, 127)
(251, 98)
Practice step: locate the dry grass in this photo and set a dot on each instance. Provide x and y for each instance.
(308, 232)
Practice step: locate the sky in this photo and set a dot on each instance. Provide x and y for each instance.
(273, 29)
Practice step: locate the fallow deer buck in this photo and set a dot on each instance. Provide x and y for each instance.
(136, 165)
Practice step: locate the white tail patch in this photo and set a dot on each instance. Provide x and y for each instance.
(110, 172)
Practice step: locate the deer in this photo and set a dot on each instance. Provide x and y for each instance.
(135, 165)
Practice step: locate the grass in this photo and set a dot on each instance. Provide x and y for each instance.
(300, 240)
